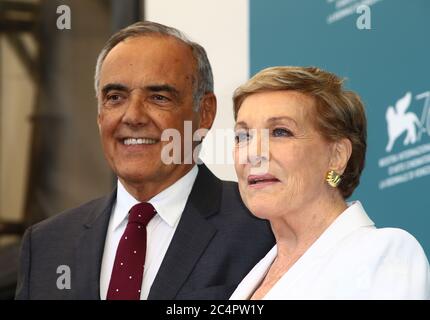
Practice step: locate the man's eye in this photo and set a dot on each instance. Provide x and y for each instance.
(160, 98)
(113, 98)
(281, 132)
(241, 137)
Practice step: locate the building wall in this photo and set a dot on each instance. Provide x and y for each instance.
(17, 97)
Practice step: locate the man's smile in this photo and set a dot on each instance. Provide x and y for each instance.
(138, 141)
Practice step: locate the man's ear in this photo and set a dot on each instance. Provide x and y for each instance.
(341, 153)
(207, 111)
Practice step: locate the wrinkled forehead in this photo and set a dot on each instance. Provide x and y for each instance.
(152, 48)
(149, 58)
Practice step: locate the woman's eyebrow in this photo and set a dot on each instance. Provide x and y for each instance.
(280, 119)
(240, 124)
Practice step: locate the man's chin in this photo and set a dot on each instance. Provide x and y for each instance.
(156, 176)
(137, 177)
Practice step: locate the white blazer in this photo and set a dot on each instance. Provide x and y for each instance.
(350, 260)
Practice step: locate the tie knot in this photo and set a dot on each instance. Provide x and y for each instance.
(141, 213)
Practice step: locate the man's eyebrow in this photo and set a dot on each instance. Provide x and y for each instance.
(163, 87)
(114, 86)
(152, 87)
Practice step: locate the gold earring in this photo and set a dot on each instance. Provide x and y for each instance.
(333, 178)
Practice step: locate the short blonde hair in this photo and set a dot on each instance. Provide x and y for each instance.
(338, 114)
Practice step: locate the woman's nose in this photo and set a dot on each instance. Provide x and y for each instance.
(258, 148)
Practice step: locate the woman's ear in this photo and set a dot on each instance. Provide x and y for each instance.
(341, 153)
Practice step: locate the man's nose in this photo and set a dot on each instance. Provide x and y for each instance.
(136, 112)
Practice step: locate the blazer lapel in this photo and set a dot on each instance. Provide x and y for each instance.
(192, 236)
(89, 250)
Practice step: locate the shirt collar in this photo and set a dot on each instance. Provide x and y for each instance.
(169, 203)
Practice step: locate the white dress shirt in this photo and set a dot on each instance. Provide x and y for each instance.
(352, 259)
(169, 204)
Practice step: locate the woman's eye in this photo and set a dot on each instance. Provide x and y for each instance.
(241, 137)
(281, 132)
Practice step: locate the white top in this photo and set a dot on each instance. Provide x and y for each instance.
(350, 260)
(170, 204)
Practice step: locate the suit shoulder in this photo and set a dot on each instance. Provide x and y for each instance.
(229, 186)
(233, 208)
(230, 198)
(70, 217)
(236, 225)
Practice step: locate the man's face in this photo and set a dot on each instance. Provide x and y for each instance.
(146, 86)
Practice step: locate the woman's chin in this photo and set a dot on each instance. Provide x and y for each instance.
(262, 211)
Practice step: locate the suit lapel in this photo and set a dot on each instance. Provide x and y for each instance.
(89, 250)
(192, 236)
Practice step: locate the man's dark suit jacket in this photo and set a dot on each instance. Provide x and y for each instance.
(216, 243)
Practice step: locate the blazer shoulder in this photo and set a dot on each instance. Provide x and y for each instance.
(386, 239)
(397, 241)
(232, 209)
(73, 217)
(231, 200)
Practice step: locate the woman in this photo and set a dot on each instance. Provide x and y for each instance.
(300, 149)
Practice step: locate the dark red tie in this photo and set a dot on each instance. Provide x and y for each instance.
(127, 272)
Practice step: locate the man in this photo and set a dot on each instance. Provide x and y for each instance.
(200, 240)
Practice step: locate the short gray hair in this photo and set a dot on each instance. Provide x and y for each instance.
(204, 81)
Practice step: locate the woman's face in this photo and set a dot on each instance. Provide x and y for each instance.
(288, 171)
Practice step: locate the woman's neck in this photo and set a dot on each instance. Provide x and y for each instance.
(297, 230)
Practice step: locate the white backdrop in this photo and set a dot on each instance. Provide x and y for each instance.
(222, 28)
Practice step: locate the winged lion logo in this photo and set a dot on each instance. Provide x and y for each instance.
(399, 121)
